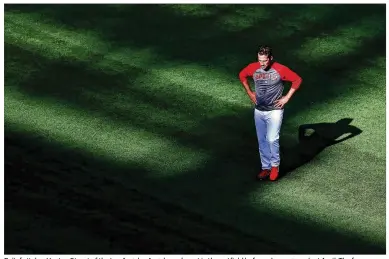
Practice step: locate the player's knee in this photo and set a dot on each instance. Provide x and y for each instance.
(273, 139)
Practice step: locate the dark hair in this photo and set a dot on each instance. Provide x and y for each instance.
(265, 50)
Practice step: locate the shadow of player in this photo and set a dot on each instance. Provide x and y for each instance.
(313, 139)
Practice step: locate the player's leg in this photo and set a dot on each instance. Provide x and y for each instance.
(273, 136)
(263, 145)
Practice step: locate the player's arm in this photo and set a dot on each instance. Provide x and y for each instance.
(244, 73)
(289, 75)
(294, 78)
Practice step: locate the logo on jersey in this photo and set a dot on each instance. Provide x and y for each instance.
(265, 76)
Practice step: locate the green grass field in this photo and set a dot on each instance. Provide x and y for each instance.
(128, 131)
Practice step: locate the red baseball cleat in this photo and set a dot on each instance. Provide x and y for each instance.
(263, 174)
(274, 173)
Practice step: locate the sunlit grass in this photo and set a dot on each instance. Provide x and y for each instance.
(178, 80)
(364, 102)
(341, 182)
(55, 41)
(30, 32)
(98, 136)
(342, 41)
(196, 10)
(193, 78)
(316, 204)
(243, 18)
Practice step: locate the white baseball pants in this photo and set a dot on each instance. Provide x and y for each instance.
(268, 125)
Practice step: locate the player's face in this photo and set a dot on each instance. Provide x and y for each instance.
(263, 60)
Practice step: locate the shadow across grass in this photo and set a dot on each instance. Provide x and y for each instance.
(312, 140)
(52, 181)
(218, 41)
(50, 187)
(120, 207)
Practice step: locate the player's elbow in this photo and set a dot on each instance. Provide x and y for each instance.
(297, 83)
(242, 76)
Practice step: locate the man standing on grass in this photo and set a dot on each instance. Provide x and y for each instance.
(268, 77)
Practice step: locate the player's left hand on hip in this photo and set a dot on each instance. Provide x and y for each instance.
(281, 102)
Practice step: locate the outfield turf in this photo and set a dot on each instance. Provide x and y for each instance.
(128, 131)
